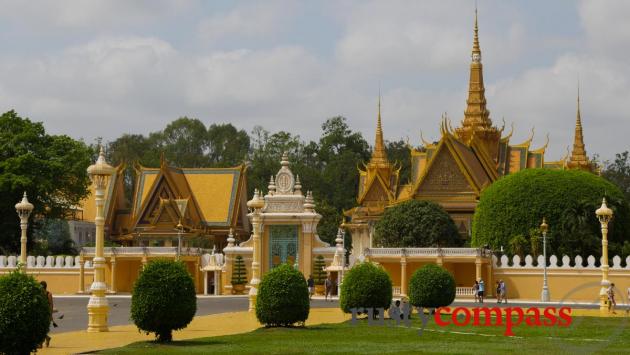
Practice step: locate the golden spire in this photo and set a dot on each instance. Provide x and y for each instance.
(476, 48)
(476, 115)
(578, 159)
(379, 156)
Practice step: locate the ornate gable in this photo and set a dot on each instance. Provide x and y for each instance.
(444, 175)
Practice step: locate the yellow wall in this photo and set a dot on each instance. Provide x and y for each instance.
(60, 282)
(564, 285)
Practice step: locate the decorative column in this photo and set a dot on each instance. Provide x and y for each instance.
(403, 276)
(544, 296)
(604, 214)
(256, 203)
(112, 261)
(97, 306)
(477, 268)
(81, 273)
(24, 209)
(217, 282)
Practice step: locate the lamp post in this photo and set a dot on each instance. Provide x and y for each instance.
(256, 204)
(339, 255)
(181, 203)
(604, 214)
(24, 209)
(544, 296)
(97, 307)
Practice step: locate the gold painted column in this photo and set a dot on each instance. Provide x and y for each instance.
(112, 261)
(81, 273)
(604, 214)
(490, 289)
(403, 276)
(477, 269)
(98, 307)
(256, 203)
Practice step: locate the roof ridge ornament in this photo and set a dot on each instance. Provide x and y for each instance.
(285, 181)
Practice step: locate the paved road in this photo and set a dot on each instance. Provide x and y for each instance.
(75, 317)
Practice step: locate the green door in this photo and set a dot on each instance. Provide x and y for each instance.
(283, 245)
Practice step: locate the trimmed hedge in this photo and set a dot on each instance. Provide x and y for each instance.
(282, 298)
(431, 287)
(163, 299)
(24, 314)
(416, 224)
(515, 205)
(365, 286)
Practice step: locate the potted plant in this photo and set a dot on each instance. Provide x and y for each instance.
(239, 276)
(319, 274)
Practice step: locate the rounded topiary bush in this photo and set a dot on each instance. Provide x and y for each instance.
(416, 224)
(515, 205)
(365, 286)
(282, 298)
(431, 287)
(163, 299)
(24, 314)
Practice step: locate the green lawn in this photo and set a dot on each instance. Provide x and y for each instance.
(585, 335)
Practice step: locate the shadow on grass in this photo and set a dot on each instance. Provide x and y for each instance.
(313, 328)
(179, 343)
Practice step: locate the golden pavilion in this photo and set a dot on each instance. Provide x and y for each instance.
(454, 170)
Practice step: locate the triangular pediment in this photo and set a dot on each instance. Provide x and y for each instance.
(376, 190)
(444, 175)
(156, 208)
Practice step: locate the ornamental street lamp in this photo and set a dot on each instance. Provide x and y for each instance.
(339, 256)
(604, 214)
(544, 296)
(181, 203)
(97, 307)
(24, 209)
(256, 204)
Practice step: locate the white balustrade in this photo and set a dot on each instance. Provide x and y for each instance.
(553, 261)
(396, 290)
(464, 291)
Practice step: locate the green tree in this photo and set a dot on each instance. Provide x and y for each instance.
(185, 142)
(50, 168)
(239, 273)
(163, 299)
(416, 224)
(398, 152)
(227, 145)
(431, 287)
(516, 204)
(55, 234)
(618, 172)
(319, 274)
(24, 314)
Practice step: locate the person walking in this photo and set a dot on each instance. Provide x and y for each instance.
(328, 284)
(498, 289)
(611, 299)
(503, 290)
(311, 286)
(482, 288)
(50, 306)
(476, 291)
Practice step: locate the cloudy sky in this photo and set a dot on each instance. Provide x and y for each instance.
(92, 68)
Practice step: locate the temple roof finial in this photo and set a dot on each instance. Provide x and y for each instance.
(476, 49)
(578, 158)
(379, 155)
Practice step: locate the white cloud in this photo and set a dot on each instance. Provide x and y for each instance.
(108, 85)
(88, 14)
(254, 20)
